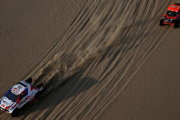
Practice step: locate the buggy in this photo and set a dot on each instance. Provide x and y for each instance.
(172, 16)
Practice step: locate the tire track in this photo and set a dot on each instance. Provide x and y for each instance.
(102, 43)
(152, 46)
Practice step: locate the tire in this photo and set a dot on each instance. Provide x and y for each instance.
(176, 24)
(161, 22)
(29, 80)
(15, 112)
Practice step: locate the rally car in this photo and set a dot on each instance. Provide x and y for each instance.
(18, 96)
(172, 15)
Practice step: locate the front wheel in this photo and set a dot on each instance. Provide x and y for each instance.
(15, 112)
(161, 22)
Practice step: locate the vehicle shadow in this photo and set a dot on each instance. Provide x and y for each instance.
(71, 88)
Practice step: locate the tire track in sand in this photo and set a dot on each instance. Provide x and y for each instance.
(116, 49)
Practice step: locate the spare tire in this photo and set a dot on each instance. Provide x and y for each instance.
(29, 80)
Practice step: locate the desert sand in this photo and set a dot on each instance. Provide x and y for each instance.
(98, 59)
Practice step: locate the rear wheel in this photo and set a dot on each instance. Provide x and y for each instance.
(161, 22)
(15, 112)
(177, 4)
(176, 24)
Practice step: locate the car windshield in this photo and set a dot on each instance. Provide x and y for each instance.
(171, 13)
(12, 96)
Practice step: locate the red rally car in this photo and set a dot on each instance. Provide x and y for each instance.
(172, 15)
(19, 96)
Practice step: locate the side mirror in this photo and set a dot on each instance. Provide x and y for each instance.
(21, 97)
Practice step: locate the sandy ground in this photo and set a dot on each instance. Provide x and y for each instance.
(98, 59)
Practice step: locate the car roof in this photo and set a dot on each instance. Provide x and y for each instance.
(18, 88)
(173, 7)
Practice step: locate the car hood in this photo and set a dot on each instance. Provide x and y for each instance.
(5, 102)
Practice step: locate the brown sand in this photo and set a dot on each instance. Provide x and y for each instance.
(98, 59)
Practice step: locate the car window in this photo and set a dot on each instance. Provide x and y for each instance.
(171, 13)
(12, 96)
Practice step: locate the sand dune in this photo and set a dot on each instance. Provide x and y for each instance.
(101, 62)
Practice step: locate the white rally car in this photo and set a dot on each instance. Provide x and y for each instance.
(18, 96)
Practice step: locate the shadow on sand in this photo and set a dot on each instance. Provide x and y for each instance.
(70, 88)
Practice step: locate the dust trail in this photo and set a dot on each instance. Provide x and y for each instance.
(78, 49)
